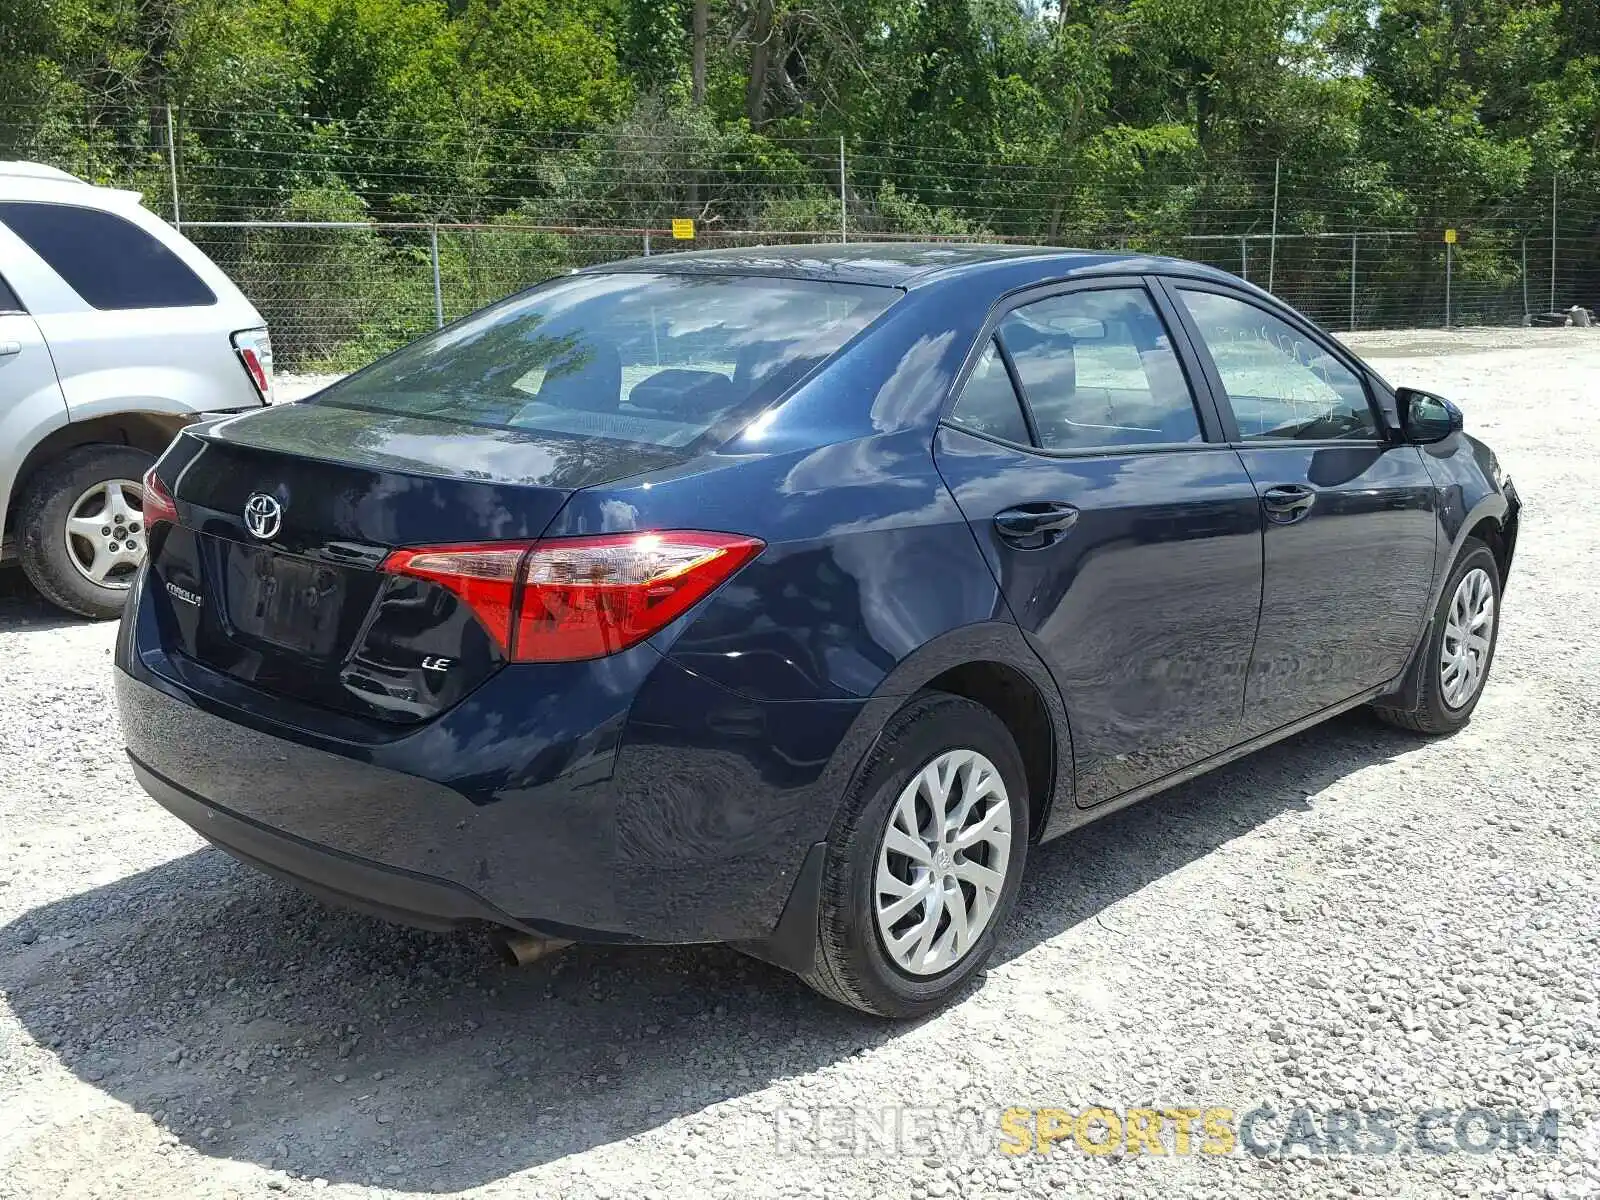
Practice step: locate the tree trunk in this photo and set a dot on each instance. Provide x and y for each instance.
(755, 92)
(698, 94)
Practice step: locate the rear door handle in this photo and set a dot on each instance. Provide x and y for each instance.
(10, 348)
(1035, 525)
(1288, 502)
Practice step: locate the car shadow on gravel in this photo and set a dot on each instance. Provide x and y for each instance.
(23, 608)
(253, 1023)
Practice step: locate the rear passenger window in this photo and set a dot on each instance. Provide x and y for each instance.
(109, 261)
(1097, 369)
(989, 403)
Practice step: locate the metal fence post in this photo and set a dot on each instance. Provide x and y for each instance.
(844, 219)
(1554, 176)
(1353, 240)
(1272, 252)
(1244, 258)
(172, 166)
(647, 243)
(1449, 263)
(1525, 309)
(438, 290)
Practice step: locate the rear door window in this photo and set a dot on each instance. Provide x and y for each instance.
(1098, 370)
(989, 404)
(106, 259)
(656, 359)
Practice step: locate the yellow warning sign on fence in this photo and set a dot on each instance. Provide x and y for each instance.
(683, 229)
(1449, 235)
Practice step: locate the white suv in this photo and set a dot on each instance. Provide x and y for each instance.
(115, 332)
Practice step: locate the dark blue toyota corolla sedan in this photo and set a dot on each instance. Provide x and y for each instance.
(788, 597)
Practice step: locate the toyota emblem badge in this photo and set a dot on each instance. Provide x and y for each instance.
(263, 516)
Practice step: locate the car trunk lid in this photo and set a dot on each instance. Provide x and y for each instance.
(273, 575)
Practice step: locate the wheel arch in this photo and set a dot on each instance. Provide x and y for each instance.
(992, 664)
(989, 662)
(1493, 521)
(151, 432)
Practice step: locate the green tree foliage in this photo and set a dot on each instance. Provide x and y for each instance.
(1143, 122)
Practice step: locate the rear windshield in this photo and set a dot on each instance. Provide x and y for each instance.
(657, 359)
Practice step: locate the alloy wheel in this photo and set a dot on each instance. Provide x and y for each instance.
(942, 862)
(1468, 638)
(105, 532)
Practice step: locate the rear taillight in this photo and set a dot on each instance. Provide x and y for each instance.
(157, 503)
(584, 597)
(483, 577)
(254, 348)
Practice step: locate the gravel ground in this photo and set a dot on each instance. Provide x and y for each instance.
(1350, 918)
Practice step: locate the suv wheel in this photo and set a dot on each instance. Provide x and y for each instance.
(81, 529)
(924, 861)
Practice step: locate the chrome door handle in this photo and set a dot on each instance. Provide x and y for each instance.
(10, 348)
(1288, 503)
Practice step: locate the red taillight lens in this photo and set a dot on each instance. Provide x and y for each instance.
(585, 597)
(157, 503)
(576, 598)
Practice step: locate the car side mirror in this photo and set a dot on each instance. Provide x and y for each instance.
(1426, 418)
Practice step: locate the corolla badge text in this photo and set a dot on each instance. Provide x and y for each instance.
(188, 597)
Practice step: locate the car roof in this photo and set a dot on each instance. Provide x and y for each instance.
(32, 170)
(39, 182)
(897, 264)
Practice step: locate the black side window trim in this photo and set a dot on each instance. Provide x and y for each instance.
(10, 302)
(1173, 284)
(1213, 433)
(1016, 386)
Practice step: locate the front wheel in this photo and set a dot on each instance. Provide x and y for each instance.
(924, 861)
(1459, 649)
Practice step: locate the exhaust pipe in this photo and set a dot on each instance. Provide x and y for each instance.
(519, 949)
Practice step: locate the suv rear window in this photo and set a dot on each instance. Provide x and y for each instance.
(635, 357)
(106, 259)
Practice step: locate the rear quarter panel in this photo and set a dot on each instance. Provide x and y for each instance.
(867, 559)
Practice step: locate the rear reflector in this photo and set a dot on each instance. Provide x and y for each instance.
(157, 503)
(585, 597)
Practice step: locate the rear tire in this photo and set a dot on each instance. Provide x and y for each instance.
(969, 747)
(50, 497)
(1445, 699)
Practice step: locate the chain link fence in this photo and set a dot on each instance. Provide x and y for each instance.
(351, 242)
(338, 294)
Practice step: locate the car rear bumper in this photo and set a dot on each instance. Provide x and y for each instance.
(424, 901)
(685, 818)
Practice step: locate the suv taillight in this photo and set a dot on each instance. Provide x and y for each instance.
(254, 348)
(582, 597)
(157, 504)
